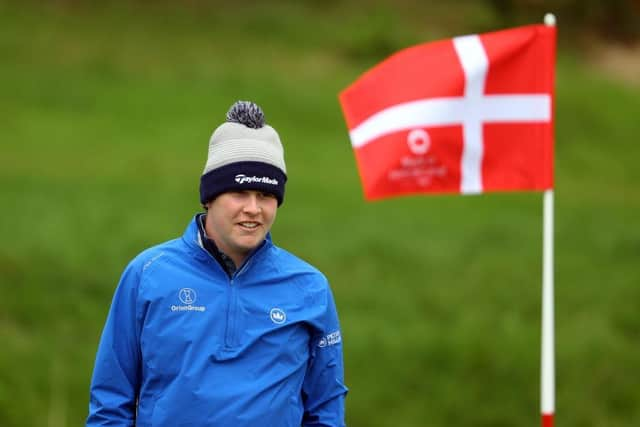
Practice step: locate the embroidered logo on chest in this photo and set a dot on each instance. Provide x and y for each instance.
(188, 297)
(277, 316)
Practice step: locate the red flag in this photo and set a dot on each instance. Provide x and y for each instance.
(465, 115)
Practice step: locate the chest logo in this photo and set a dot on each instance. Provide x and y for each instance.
(187, 296)
(277, 315)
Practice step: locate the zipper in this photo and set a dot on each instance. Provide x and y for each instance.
(232, 307)
(230, 338)
(232, 300)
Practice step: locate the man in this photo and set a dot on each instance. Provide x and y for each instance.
(221, 327)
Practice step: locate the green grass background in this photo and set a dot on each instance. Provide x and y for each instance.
(105, 114)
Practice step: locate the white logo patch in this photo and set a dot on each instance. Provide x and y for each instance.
(277, 316)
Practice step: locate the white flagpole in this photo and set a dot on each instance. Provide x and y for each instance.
(547, 384)
(547, 362)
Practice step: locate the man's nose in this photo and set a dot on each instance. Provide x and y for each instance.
(252, 205)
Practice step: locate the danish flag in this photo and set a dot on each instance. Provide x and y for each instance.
(465, 115)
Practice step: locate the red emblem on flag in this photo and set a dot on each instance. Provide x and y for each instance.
(465, 115)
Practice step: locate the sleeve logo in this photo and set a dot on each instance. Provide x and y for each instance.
(331, 339)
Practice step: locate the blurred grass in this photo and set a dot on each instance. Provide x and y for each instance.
(105, 114)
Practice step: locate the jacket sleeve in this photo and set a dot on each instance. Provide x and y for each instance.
(116, 374)
(323, 390)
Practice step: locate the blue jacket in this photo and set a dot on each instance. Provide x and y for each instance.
(185, 345)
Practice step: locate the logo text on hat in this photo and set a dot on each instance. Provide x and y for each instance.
(244, 179)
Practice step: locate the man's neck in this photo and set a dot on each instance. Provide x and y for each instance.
(228, 264)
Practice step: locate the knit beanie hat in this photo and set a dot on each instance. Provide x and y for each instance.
(244, 154)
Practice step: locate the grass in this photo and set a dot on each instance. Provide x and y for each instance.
(104, 117)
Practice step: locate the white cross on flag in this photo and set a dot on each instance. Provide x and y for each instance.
(464, 115)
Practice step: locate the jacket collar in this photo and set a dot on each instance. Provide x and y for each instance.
(193, 240)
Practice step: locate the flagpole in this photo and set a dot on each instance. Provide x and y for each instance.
(547, 383)
(547, 359)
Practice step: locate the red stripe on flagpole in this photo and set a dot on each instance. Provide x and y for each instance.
(547, 420)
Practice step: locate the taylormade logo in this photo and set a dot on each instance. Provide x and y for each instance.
(244, 179)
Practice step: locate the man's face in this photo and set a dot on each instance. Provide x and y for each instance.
(239, 221)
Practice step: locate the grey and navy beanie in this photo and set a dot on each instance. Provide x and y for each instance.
(244, 154)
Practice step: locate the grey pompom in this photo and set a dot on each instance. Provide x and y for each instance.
(246, 113)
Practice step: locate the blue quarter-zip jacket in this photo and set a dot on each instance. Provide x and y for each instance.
(186, 345)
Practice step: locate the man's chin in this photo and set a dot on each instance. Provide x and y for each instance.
(247, 245)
